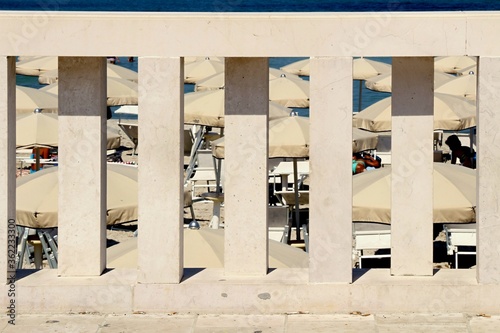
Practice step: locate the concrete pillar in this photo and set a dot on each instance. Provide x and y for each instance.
(412, 166)
(246, 174)
(161, 195)
(82, 166)
(330, 220)
(488, 177)
(7, 166)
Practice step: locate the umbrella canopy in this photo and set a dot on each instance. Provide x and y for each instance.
(289, 137)
(450, 113)
(301, 67)
(119, 91)
(29, 99)
(453, 64)
(216, 81)
(454, 194)
(363, 68)
(289, 91)
(383, 82)
(205, 248)
(198, 70)
(115, 71)
(464, 86)
(41, 130)
(37, 197)
(36, 66)
(36, 130)
(207, 108)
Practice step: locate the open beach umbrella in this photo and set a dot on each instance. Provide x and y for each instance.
(450, 113)
(188, 60)
(41, 130)
(289, 91)
(301, 67)
(383, 82)
(207, 108)
(201, 69)
(453, 64)
(216, 81)
(204, 248)
(119, 91)
(115, 71)
(363, 68)
(454, 194)
(36, 65)
(29, 99)
(37, 196)
(464, 86)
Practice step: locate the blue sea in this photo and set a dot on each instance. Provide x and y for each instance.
(368, 97)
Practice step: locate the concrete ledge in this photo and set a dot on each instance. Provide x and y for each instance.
(281, 291)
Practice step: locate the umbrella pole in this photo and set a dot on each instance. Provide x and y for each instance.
(37, 158)
(360, 94)
(296, 189)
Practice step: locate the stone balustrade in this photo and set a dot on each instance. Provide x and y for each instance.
(245, 285)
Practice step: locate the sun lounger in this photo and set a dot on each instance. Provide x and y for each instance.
(460, 239)
(371, 236)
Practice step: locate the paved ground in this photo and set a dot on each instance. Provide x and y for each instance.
(290, 323)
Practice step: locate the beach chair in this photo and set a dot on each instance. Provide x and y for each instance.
(132, 131)
(204, 173)
(278, 223)
(460, 239)
(371, 236)
(36, 244)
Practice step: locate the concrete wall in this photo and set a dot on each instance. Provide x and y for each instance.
(331, 39)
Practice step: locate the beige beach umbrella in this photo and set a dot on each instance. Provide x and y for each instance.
(363, 68)
(198, 70)
(119, 91)
(464, 86)
(454, 194)
(29, 99)
(188, 60)
(289, 91)
(289, 137)
(450, 113)
(36, 66)
(301, 67)
(453, 64)
(204, 248)
(37, 197)
(216, 81)
(36, 130)
(383, 82)
(41, 130)
(112, 70)
(207, 108)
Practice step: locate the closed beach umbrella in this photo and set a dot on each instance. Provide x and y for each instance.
(204, 248)
(301, 67)
(454, 194)
(207, 108)
(198, 70)
(450, 113)
(29, 99)
(289, 91)
(37, 197)
(463, 86)
(119, 91)
(36, 66)
(453, 64)
(216, 81)
(383, 82)
(112, 70)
